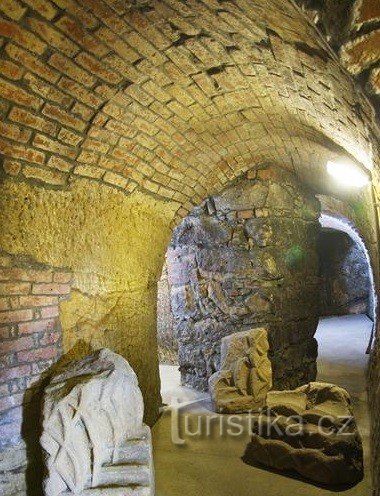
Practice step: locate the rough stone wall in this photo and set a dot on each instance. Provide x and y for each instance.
(345, 283)
(244, 258)
(352, 29)
(117, 117)
(166, 337)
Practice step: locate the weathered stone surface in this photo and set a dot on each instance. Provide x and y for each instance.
(245, 377)
(94, 439)
(231, 269)
(345, 279)
(13, 463)
(310, 430)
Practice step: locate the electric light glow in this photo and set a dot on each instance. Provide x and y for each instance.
(347, 173)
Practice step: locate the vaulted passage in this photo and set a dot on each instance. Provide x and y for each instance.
(180, 181)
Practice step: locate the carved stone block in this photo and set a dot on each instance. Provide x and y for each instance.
(94, 440)
(245, 376)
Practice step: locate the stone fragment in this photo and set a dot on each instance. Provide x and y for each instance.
(245, 376)
(94, 440)
(312, 431)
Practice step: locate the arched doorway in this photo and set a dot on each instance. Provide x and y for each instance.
(348, 305)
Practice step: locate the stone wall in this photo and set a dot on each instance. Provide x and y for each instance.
(166, 338)
(244, 258)
(345, 282)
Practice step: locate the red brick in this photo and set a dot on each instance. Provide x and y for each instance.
(54, 288)
(15, 302)
(49, 176)
(54, 146)
(50, 338)
(12, 9)
(57, 114)
(49, 312)
(82, 111)
(70, 137)
(21, 152)
(118, 45)
(14, 288)
(21, 36)
(53, 37)
(18, 344)
(46, 90)
(80, 93)
(17, 274)
(107, 16)
(67, 67)
(26, 59)
(74, 30)
(43, 7)
(86, 18)
(367, 10)
(98, 68)
(362, 52)
(36, 326)
(11, 70)
(13, 316)
(4, 304)
(37, 301)
(16, 94)
(15, 373)
(40, 354)
(63, 277)
(14, 133)
(31, 120)
(61, 165)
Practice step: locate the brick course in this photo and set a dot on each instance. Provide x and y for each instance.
(30, 335)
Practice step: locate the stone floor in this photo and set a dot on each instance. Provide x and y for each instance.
(210, 463)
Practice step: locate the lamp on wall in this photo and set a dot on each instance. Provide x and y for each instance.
(348, 173)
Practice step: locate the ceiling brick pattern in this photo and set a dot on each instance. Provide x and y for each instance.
(174, 98)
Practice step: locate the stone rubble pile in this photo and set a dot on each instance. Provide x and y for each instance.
(310, 430)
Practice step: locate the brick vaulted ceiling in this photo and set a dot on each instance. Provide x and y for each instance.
(175, 98)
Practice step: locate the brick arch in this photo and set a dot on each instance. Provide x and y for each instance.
(174, 98)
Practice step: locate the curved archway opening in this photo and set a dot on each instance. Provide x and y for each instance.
(348, 304)
(346, 270)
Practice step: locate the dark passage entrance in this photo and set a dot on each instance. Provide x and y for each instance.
(344, 271)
